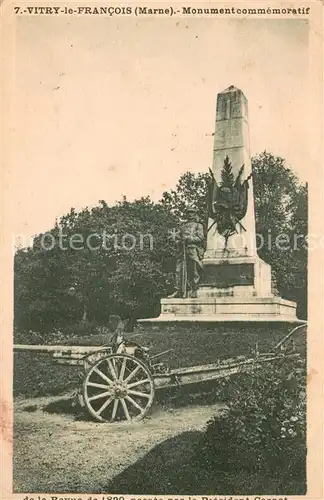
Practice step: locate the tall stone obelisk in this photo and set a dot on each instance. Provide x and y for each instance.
(232, 140)
(233, 267)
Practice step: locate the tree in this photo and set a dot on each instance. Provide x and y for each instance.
(281, 224)
(191, 190)
(120, 259)
(280, 202)
(97, 262)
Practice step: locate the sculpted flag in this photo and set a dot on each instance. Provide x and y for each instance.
(227, 202)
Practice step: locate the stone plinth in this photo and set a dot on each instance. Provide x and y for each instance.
(223, 309)
(236, 276)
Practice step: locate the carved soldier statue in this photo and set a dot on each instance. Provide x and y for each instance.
(191, 246)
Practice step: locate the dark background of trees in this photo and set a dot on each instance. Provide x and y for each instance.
(57, 288)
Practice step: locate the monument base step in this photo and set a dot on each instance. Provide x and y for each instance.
(169, 318)
(220, 309)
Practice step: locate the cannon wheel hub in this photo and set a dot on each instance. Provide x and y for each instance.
(117, 388)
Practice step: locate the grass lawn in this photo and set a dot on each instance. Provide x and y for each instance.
(194, 344)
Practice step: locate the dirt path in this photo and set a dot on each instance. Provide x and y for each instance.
(56, 453)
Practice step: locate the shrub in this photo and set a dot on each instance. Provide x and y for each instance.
(264, 425)
(82, 328)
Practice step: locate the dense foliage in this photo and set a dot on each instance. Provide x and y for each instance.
(131, 262)
(281, 207)
(125, 270)
(264, 426)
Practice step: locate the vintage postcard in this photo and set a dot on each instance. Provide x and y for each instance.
(162, 250)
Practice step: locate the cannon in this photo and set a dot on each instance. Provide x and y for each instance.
(119, 380)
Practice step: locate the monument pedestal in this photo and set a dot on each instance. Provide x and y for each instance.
(236, 277)
(237, 289)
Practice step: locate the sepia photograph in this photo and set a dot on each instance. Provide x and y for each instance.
(160, 243)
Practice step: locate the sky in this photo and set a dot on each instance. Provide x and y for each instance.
(108, 107)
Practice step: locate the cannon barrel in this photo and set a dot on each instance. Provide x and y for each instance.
(62, 354)
(50, 349)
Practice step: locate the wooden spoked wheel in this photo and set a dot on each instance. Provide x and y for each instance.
(118, 388)
(89, 359)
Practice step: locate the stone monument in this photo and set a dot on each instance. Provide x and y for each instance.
(234, 284)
